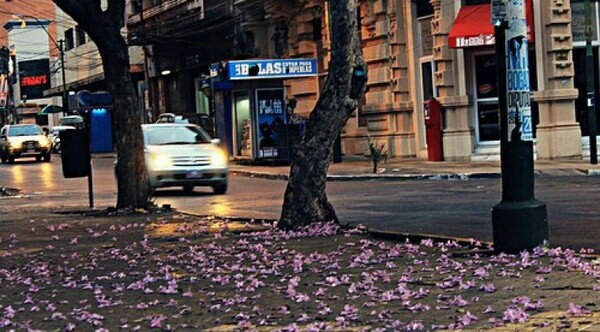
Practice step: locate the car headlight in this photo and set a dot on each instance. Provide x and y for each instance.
(158, 161)
(14, 145)
(219, 158)
(44, 143)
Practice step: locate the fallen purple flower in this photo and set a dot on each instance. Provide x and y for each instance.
(515, 315)
(577, 310)
(488, 288)
(157, 321)
(467, 318)
(488, 310)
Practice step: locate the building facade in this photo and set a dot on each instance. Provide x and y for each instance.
(83, 63)
(26, 33)
(416, 50)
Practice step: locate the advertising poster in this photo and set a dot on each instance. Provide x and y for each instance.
(517, 72)
(271, 124)
(34, 78)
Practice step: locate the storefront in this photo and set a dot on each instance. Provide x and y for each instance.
(581, 72)
(473, 32)
(253, 112)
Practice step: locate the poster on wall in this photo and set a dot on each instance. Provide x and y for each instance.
(517, 72)
(271, 124)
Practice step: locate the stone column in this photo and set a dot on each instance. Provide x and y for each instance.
(558, 133)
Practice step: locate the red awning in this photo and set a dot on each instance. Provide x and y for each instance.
(473, 26)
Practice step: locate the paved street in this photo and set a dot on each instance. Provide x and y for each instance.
(456, 208)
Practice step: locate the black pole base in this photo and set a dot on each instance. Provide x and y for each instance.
(519, 226)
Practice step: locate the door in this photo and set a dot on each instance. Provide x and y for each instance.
(242, 124)
(581, 72)
(487, 121)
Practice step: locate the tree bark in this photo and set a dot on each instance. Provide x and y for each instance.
(305, 199)
(104, 28)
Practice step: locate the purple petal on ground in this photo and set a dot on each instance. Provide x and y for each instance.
(577, 310)
(488, 288)
(414, 326)
(467, 318)
(488, 310)
(515, 315)
(157, 321)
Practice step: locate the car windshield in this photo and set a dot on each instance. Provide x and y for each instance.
(164, 135)
(24, 131)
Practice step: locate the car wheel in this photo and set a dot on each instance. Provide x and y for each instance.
(11, 159)
(57, 148)
(188, 188)
(3, 156)
(47, 156)
(220, 189)
(38, 158)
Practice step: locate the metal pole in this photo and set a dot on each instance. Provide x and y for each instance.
(519, 221)
(64, 77)
(590, 89)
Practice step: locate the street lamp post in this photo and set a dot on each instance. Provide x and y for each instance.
(59, 45)
(519, 221)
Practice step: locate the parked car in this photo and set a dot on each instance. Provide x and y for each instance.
(24, 140)
(55, 137)
(184, 155)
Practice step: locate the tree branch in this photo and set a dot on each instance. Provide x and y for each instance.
(79, 10)
(116, 9)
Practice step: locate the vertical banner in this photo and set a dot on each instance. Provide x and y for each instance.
(517, 71)
(271, 123)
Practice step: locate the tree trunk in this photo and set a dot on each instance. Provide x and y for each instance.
(104, 28)
(305, 200)
(132, 181)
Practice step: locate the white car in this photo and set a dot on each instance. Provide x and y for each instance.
(184, 155)
(55, 137)
(24, 140)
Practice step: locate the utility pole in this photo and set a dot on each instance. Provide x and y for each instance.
(64, 76)
(519, 221)
(590, 89)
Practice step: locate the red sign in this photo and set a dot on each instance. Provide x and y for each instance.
(34, 80)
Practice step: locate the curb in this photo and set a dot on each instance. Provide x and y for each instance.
(381, 234)
(366, 177)
(417, 237)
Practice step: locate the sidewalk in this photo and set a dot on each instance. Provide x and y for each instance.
(76, 270)
(357, 168)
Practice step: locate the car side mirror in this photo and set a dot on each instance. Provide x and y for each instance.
(215, 141)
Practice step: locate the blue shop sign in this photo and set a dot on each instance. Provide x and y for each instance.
(271, 68)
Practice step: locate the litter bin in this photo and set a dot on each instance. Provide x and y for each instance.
(75, 155)
(433, 129)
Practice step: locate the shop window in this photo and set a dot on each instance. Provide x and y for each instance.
(486, 93)
(69, 42)
(80, 35)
